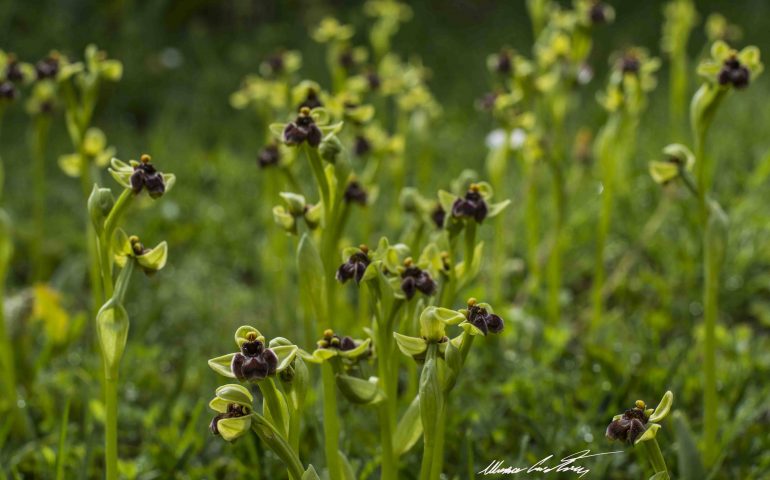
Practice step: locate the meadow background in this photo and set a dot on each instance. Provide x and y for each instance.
(229, 265)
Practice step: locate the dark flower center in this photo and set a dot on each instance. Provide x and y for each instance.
(734, 73)
(354, 268)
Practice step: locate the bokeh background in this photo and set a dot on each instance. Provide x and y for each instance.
(183, 58)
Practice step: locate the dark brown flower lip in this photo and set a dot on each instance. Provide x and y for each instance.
(630, 425)
(355, 193)
(270, 155)
(303, 129)
(355, 266)
(734, 73)
(233, 411)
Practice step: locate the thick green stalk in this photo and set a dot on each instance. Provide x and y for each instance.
(554, 259)
(106, 237)
(652, 450)
(711, 279)
(111, 427)
(431, 412)
(274, 405)
(609, 136)
(678, 82)
(316, 164)
(111, 387)
(387, 370)
(497, 168)
(38, 142)
(331, 420)
(532, 223)
(268, 434)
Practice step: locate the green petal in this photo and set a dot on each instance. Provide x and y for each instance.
(358, 351)
(155, 259)
(661, 411)
(471, 329)
(242, 334)
(662, 172)
(285, 354)
(649, 434)
(720, 50)
(232, 428)
(496, 208)
(70, 164)
(410, 346)
(234, 393)
(221, 365)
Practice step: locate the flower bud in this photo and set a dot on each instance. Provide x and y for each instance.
(330, 148)
(8, 91)
(13, 70)
(269, 156)
(355, 193)
(362, 146)
(47, 67)
(438, 215)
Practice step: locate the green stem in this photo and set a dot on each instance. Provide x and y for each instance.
(316, 163)
(470, 246)
(111, 427)
(274, 405)
(38, 144)
(532, 221)
(111, 386)
(652, 450)
(104, 244)
(431, 412)
(554, 259)
(268, 434)
(331, 420)
(387, 408)
(710, 301)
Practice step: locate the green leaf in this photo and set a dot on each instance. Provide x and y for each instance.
(689, 461)
(310, 474)
(409, 429)
(454, 363)
(311, 273)
(221, 365)
(347, 469)
(112, 327)
(360, 391)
